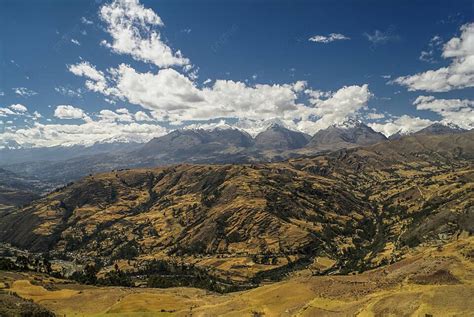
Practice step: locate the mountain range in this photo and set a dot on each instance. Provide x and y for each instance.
(358, 208)
(56, 166)
(60, 165)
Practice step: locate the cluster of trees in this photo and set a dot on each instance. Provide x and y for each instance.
(116, 277)
(164, 274)
(24, 263)
(159, 274)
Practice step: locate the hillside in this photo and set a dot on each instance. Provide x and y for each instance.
(278, 138)
(431, 281)
(356, 209)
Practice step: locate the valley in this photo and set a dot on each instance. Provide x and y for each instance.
(233, 227)
(434, 281)
(236, 158)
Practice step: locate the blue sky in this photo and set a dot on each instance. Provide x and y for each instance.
(247, 42)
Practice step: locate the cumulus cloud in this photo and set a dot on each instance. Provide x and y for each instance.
(18, 107)
(457, 111)
(457, 75)
(173, 97)
(70, 112)
(332, 108)
(329, 38)
(133, 29)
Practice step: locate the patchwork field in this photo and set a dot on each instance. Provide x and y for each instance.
(436, 281)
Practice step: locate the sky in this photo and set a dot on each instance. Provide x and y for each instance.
(79, 72)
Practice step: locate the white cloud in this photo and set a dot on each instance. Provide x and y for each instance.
(37, 115)
(133, 31)
(96, 79)
(70, 112)
(24, 92)
(173, 97)
(333, 108)
(329, 38)
(375, 116)
(86, 133)
(142, 116)
(121, 115)
(459, 74)
(19, 108)
(404, 124)
(457, 111)
(76, 42)
(6, 112)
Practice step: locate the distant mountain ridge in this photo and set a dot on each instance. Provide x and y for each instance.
(204, 146)
(441, 128)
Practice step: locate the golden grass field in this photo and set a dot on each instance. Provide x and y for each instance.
(436, 281)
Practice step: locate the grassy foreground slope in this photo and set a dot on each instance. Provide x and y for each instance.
(437, 281)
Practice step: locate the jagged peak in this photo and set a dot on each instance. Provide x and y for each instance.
(349, 123)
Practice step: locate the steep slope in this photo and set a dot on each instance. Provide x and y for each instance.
(183, 143)
(346, 135)
(359, 207)
(278, 138)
